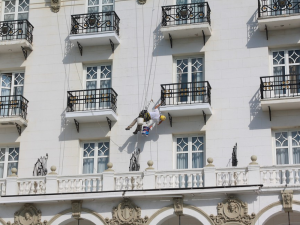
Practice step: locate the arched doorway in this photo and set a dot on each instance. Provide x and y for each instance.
(80, 222)
(281, 218)
(184, 220)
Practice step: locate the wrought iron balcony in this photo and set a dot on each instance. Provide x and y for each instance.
(16, 29)
(280, 86)
(95, 23)
(92, 100)
(277, 7)
(13, 105)
(186, 93)
(185, 14)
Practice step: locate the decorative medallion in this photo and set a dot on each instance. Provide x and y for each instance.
(28, 215)
(126, 213)
(287, 200)
(76, 209)
(178, 206)
(141, 2)
(232, 210)
(55, 5)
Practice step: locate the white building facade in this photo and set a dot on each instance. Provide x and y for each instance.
(225, 74)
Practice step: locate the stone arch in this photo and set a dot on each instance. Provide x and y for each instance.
(270, 210)
(85, 214)
(2, 221)
(168, 211)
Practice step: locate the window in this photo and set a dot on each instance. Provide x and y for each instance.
(287, 147)
(95, 156)
(9, 158)
(286, 71)
(189, 152)
(16, 10)
(12, 84)
(95, 6)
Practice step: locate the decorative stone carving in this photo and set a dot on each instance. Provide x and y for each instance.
(76, 209)
(28, 215)
(126, 213)
(232, 210)
(178, 206)
(55, 5)
(141, 2)
(287, 200)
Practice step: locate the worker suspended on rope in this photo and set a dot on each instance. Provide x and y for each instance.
(150, 118)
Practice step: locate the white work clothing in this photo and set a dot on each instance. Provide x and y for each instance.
(155, 115)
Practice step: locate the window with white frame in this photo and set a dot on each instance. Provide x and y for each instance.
(9, 158)
(287, 146)
(98, 76)
(12, 83)
(189, 151)
(95, 156)
(95, 6)
(15, 9)
(286, 71)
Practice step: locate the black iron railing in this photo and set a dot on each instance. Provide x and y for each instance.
(93, 99)
(16, 29)
(186, 93)
(185, 14)
(277, 7)
(280, 86)
(13, 105)
(95, 23)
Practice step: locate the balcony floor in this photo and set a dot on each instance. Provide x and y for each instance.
(13, 46)
(284, 103)
(92, 116)
(279, 22)
(11, 121)
(187, 109)
(94, 39)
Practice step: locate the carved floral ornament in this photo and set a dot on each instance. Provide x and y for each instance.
(126, 213)
(232, 210)
(287, 200)
(28, 215)
(55, 5)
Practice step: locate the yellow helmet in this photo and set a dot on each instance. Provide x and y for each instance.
(162, 118)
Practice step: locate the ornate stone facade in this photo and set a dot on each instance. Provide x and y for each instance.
(126, 213)
(76, 209)
(232, 210)
(178, 206)
(55, 5)
(28, 215)
(287, 200)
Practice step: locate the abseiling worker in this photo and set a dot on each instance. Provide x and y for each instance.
(151, 118)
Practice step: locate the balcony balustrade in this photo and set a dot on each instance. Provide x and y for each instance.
(186, 20)
(95, 28)
(186, 99)
(278, 14)
(13, 109)
(280, 92)
(92, 105)
(277, 176)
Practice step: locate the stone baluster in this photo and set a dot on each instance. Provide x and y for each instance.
(182, 185)
(283, 177)
(296, 176)
(238, 178)
(245, 178)
(32, 187)
(38, 187)
(165, 183)
(177, 181)
(194, 180)
(100, 184)
(219, 176)
(189, 183)
(94, 184)
(226, 183)
(171, 181)
(3, 189)
(118, 185)
(291, 177)
(277, 178)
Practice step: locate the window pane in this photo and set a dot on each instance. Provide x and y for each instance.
(197, 160)
(296, 155)
(91, 85)
(282, 156)
(2, 154)
(103, 149)
(107, 1)
(88, 166)
(1, 170)
(197, 143)
(105, 71)
(296, 138)
(6, 81)
(294, 56)
(9, 17)
(94, 9)
(88, 149)
(23, 5)
(279, 70)
(13, 154)
(23, 16)
(107, 8)
(179, 2)
(9, 6)
(19, 79)
(105, 84)
(102, 164)
(10, 166)
(281, 139)
(182, 144)
(91, 73)
(182, 161)
(93, 2)
(278, 58)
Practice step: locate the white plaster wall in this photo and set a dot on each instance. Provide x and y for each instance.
(236, 55)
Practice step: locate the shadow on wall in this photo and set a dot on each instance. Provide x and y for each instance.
(258, 118)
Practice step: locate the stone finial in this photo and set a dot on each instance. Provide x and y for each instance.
(53, 170)
(253, 159)
(150, 164)
(210, 161)
(109, 167)
(14, 172)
